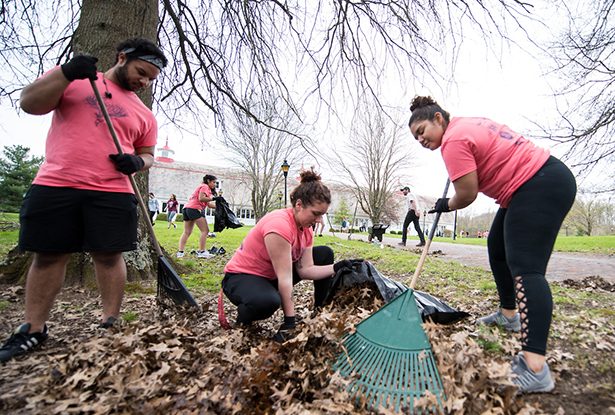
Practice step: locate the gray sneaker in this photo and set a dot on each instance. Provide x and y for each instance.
(528, 381)
(204, 255)
(499, 319)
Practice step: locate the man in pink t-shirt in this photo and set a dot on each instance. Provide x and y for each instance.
(81, 199)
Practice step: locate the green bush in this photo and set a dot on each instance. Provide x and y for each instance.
(163, 216)
(393, 232)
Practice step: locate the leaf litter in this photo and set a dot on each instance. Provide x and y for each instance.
(173, 360)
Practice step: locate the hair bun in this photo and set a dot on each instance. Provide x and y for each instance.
(420, 102)
(308, 176)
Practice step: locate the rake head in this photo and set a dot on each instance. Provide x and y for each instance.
(390, 357)
(170, 285)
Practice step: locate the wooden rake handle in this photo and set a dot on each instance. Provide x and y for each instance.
(103, 108)
(428, 244)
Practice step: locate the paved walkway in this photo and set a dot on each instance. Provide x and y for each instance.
(561, 265)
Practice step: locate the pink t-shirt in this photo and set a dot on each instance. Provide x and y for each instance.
(79, 142)
(503, 159)
(252, 256)
(193, 202)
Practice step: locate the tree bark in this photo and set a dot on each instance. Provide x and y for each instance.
(102, 25)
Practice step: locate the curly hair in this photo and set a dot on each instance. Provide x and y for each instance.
(311, 190)
(425, 108)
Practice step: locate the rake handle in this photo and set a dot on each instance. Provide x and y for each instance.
(428, 244)
(103, 108)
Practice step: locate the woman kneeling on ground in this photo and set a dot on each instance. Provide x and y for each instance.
(535, 192)
(278, 253)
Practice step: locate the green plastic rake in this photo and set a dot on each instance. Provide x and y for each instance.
(389, 354)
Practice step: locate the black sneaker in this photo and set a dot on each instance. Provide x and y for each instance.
(401, 243)
(421, 244)
(109, 323)
(21, 341)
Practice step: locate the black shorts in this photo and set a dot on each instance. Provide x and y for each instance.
(192, 214)
(58, 220)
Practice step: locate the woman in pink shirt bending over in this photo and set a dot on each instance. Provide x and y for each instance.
(278, 253)
(535, 191)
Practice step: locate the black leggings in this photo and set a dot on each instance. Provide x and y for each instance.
(520, 243)
(257, 298)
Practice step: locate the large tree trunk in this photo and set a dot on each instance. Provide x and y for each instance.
(102, 25)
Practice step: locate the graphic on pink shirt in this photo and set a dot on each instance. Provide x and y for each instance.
(252, 256)
(115, 111)
(503, 159)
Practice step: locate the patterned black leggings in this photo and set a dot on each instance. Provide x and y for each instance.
(257, 298)
(520, 243)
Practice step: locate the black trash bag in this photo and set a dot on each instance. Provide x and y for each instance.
(362, 271)
(224, 217)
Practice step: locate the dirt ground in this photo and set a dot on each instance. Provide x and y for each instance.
(176, 361)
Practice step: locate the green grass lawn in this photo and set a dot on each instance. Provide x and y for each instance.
(586, 244)
(206, 274)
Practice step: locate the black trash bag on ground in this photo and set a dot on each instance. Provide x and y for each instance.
(224, 217)
(362, 271)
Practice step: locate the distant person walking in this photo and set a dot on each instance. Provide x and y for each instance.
(172, 206)
(412, 216)
(153, 205)
(535, 192)
(194, 214)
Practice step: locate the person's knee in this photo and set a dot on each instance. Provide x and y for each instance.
(259, 309)
(42, 261)
(323, 255)
(107, 259)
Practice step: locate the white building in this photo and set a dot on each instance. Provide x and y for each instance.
(167, 176)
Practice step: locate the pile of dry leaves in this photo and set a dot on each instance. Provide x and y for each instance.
(176, 361)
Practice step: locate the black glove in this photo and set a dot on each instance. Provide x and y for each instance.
(127, 163)
(441, 206)
(80, 67)
(345, 263)
(285, 332)
(217, 198)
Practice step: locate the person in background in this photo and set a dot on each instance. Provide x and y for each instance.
(153, 205)
(535, 191)
(194, 214)
(412, 216)
(81, 199)
(172, 206)
(278, 253)
(320, 226)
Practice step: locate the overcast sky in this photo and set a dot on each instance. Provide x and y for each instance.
(509, 88)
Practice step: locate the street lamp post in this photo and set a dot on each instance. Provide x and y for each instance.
(285, 167)
(280, 197)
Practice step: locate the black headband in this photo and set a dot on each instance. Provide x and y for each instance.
(153, 59)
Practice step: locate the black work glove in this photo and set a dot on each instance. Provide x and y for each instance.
(217, 198)
(441, 206)
(80, 67)
(345, 263)
(127, 163)
(285, 332)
